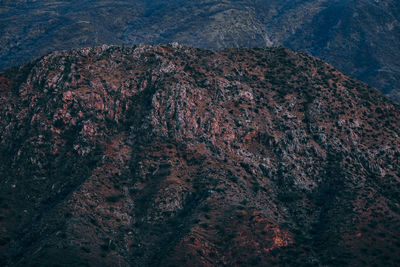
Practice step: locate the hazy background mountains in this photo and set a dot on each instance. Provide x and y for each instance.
(361, 38)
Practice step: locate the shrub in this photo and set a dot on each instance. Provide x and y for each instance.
(114, 198)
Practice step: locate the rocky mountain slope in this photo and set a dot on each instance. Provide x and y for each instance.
(150, 155)
(359, 37)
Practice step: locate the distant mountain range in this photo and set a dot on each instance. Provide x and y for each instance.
(178, 156)
(359, 37)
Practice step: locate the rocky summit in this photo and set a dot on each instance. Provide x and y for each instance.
(178, 156)
(359, 37)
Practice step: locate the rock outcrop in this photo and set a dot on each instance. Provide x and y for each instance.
(177, 156)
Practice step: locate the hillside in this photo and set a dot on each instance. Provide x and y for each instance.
(137, 156)
(359, 37)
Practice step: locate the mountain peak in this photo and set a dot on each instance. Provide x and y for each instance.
(184, 156)
(360, 38)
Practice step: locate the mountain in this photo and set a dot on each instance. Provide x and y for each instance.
(178, 156)
(359, 37)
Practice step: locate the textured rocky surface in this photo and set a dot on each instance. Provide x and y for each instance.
(359, 37)
(137, 156)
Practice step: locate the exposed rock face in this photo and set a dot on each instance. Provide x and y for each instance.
(171, 155)
(359, 37)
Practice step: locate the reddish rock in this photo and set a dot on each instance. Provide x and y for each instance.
(161, 155)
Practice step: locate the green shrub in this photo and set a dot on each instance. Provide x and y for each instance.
(114, 198)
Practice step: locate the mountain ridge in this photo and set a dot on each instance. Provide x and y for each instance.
(183, 156)
(358, 37)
